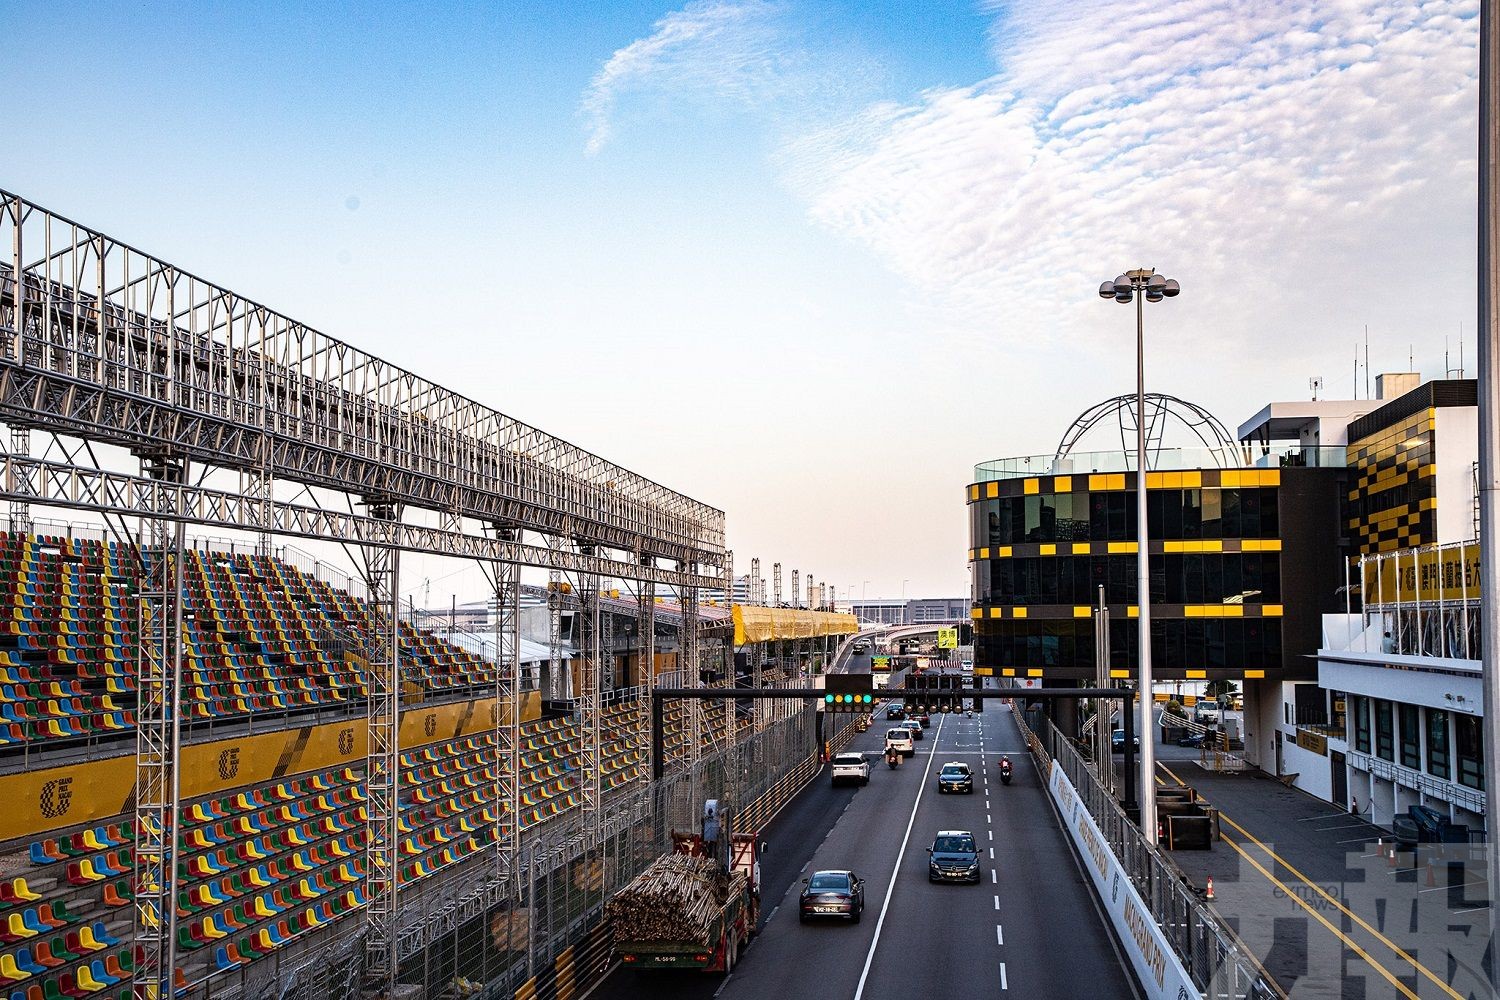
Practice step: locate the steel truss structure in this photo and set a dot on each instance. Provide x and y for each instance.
(507, 581)
(158, 738)
(107, 344)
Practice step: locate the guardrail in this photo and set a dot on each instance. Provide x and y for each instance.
(1215, 958)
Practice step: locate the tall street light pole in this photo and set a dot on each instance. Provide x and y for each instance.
(1142, 285)
(1489, 440)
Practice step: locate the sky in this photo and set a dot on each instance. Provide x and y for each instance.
(807, 262)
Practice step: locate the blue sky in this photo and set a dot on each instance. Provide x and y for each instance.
(807, 262)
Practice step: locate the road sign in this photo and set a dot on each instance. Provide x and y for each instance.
(880, 663)
(947, 638)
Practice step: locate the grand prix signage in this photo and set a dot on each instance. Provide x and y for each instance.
(1156, 968)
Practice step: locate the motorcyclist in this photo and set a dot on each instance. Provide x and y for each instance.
(892, 756)
(1005, 769)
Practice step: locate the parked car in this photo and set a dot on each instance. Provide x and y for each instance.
(1117, 741)
(1190, 740)
(850, 768)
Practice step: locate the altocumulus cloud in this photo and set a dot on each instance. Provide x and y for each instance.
(1205, 136)
(1203, 133)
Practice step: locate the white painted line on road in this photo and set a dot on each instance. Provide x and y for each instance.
(1445, 888)
(987, 818)
(992, 834)
(1003, 984)
(992, 854)
(997, 906)
(999, 933)
(890, 888)
(994, 879)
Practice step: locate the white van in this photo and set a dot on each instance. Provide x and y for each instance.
(900, 740)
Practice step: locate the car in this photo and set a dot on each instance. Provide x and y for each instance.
(836, 894)
(915, 728)
(851, 768)
(924, 719)
(955, 857)
(895, 711)
(1205, 712)
(1117, 741)
(900, 740)
(1190, 740)
(956, 777)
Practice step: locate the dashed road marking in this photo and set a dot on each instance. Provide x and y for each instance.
(1003, 984)
(994, 879)
(997, 906)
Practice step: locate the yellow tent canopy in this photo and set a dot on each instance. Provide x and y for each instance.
(757, 624)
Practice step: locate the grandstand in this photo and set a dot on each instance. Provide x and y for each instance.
(229, 775)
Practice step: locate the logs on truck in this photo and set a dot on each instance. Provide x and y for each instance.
(677, 899)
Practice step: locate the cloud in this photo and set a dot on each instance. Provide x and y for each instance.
(713, 50)
(1219, 139)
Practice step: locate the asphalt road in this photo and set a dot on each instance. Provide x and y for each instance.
(1029, 929)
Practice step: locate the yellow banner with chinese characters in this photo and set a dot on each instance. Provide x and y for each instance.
(1446, 574)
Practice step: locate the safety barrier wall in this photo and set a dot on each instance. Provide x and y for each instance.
(1215, 962)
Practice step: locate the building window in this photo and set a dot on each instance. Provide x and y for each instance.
(1361, 709)
(1411, 737)
(1385, 730)
(1470, 746)
(1438, 763)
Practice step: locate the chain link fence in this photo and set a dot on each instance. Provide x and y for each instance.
(546, 938)
(1218, 962)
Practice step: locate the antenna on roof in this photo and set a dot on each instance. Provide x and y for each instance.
(1315, 383)
(1367, 361)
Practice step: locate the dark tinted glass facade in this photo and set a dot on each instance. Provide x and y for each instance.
(1222, 576)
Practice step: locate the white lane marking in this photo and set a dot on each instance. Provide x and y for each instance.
(999, 934)
(994, 879)
(890, 888)
(1003, 984)
(997, 906)
(987, 818)
(992, 834)
(992, 854)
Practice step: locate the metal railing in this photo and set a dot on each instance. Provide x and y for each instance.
(1471, 799)
(1214, 956)
(1165, 459)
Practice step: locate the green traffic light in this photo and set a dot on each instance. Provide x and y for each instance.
(828, 698)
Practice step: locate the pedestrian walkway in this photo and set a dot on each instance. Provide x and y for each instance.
(1317, 895)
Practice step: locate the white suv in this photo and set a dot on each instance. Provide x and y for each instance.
(851, 767)
(900, 740)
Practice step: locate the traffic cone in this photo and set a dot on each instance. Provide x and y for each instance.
(1390, 856)
(1430, 880)
(1208, 892)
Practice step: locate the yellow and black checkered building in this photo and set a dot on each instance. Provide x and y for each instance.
(1243, 563)
(1392, 497)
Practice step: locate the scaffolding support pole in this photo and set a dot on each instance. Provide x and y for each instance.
(507, 717)
(646, 622)
(383, 757)
(691, 673)
(158, 741)
(590, 676)
(557, 666)
(20, 510)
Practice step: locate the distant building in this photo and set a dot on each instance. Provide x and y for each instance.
(917, 610)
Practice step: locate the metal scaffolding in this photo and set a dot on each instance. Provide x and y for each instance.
(383, 757)
(102, 342)
(20, 509)
(158, 737)
(689, 667)
(507, 615)
(590, 676)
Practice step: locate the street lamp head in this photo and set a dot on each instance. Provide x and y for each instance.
(1155, 283)
(1123, 285)
(1123, 298)
(1171, 288)
(1153, 296)
(1107, 290)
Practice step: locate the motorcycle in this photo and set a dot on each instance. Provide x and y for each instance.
(1005, 771)
(892, 759)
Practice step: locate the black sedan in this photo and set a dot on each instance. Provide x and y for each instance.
(1117, 741)
(956, 777)
(839, 894)
(895, 711)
